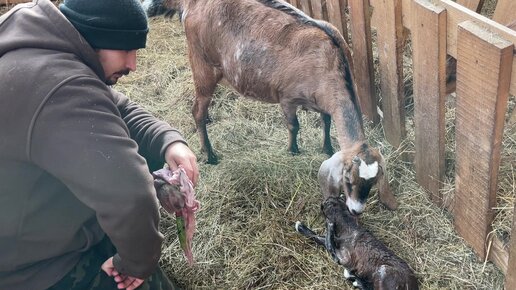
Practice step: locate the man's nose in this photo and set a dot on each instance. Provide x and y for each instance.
(131, 60)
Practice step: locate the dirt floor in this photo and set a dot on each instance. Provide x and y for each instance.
(251, 200)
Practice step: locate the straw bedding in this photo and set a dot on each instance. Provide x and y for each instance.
(251, 200)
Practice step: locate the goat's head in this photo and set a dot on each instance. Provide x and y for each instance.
(336, 211)
(162, 7)
(354, 172)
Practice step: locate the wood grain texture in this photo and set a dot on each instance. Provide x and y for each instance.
(457, 14)
(510, 274)
(505, 12)
(363, 58)
(429, 73)
(475, 5)
(483, 80)
(390, 53)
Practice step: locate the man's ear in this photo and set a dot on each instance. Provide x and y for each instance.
(330, 176)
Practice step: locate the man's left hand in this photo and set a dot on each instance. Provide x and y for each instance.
(177, 154)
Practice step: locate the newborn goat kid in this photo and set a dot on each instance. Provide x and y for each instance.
(371, 264)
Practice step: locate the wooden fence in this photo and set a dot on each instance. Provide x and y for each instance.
(485, 53)
(9, 2)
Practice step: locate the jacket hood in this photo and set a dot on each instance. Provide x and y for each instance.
(40, 25)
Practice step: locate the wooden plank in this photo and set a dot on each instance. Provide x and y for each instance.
(475, 5)
(510, 275)
(457, 14)
(429, 73)
(499, 255)
(505, 12)
(317, 9)
(363, 58)
(11, 2)
(390, 54)
(343, 7)
(334, 16)
(305, 6)
(483, 79)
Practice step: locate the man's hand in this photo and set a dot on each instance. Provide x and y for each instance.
(179, 154)
(122, 281)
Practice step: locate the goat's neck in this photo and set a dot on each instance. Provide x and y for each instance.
(348, 123)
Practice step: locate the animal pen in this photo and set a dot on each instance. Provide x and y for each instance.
(485, 53)
(484, 50)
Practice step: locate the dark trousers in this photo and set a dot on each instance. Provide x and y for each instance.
(87, 274)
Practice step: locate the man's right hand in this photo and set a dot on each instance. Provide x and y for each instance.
(123, 281)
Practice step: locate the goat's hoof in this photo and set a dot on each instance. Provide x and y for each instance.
(209, 159)
(212, 161)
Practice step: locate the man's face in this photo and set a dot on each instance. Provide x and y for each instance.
(116, 63)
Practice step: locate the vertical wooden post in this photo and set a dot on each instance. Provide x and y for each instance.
(475, 5)
(363, 57)
(510, 275)
(505, 12)
(317, 9)
(335, 17)
(429, 62)
(294, 3)
(484, 64)
(390, 53)
(305, 6)
(345, 31)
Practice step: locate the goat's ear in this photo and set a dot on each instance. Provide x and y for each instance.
(384, 189)
(330, 176)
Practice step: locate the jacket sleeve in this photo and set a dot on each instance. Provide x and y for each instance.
(80, 138)
(152, 135)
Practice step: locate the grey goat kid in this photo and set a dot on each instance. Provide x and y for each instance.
(368, 263)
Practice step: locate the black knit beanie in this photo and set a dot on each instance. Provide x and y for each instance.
(108, 24)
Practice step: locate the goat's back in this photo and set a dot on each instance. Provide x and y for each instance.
(267, 49)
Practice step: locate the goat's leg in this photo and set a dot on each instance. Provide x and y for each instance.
(289, 112)
(326, 120)
(307, 232)
(205, 81)
(329, 241)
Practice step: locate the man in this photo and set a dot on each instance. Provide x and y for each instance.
(76, 193)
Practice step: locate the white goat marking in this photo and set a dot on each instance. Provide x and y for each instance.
(334, 164)
(367, 171)
(354, 205)
(382, 271)
(183, 16)
(298, 223)
(238, 52)
(347, 274)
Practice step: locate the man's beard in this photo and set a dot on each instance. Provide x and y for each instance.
(115, 76)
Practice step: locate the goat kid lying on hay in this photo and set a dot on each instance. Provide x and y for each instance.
(270, 51)
(368, 263)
